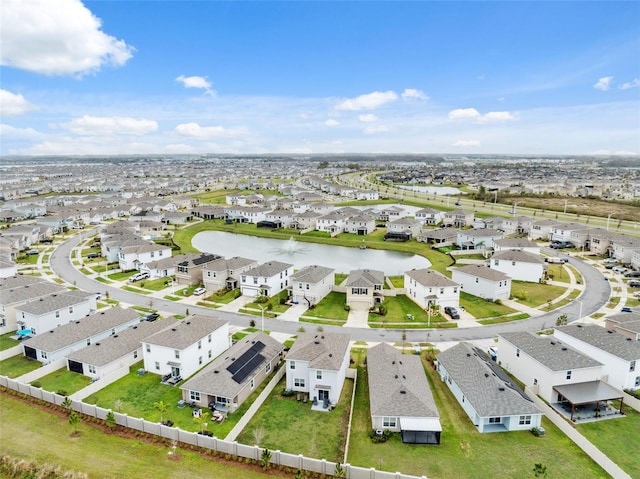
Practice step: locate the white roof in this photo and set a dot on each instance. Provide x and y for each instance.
(420, 424)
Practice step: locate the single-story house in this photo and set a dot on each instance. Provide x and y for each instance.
(482, 281)
(519, 265)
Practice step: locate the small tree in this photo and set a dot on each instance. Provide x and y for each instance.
(74, 421)
(539, 470)
(202, 420)
(67, 403)
(404, 338)
(110, 420)
(258, 435)
(562, 320)
(265, 459)
(252, 323)
(162, 408)
(339, 471)
(118, 404)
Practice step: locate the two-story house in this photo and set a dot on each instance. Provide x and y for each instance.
(364, 288)
(133, 256)
(189, 267)
(427, 288)
(311, 284)
(54, 310)
(267, 279)
(519, 265)
(225, 273)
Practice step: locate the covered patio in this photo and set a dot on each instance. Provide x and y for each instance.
(420, 430)
(588, 401)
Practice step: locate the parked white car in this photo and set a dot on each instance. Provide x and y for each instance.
(138, 277)
(619, 269)
(199, 291)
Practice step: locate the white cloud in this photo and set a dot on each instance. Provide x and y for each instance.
(13, 104)
(372, 130)
(466, 143)
(496, 116)
(196, 82)
(369, 101)
(114, 125)
(59, 37)
(603, 83)
(463, 114)
(10, 132)
(332, 122)
(368, 118)
(630, 84)
(194, 130)
(413, 94)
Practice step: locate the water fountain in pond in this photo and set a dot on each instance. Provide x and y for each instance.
(290, 247)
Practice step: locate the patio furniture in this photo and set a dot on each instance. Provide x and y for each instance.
(181, 404)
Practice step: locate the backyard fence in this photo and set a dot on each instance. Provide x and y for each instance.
(223, 446)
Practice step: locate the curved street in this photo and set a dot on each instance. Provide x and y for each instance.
(596, 294)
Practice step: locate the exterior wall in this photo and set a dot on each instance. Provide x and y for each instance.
(334, 379)
(192, 277)
(528, 370)
(358, 298)
(189, 359)
(446, 295)
(49, 321)
(518, 270)
(300, 371)
(126, 361)
(128, 260)
(313, 292)
(481, 287)
(354, 226)
(251, 285)
(616, 369)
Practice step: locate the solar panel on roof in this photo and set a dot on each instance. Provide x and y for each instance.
(239, 363)
(248, 368)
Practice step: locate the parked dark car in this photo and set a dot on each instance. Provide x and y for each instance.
(151, 316)
(451, 311)
(632, 274)
(634, 283)
(93, 255)
(626, 309)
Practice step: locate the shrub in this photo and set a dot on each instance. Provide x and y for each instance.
(36, 384)
(61, 392)
(287, 392)
(378, 438)
(535, 431)
(252, 323)
(347, 307)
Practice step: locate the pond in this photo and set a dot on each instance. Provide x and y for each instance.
(340, 258)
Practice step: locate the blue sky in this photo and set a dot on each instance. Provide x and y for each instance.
(125, 77)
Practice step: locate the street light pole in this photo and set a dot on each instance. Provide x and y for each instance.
(262, 308)
(608, 218)
(580, 311)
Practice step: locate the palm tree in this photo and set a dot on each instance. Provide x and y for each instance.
(202, 420)
(265, 459)
(74, 420)
(162, 409)
(67, 403)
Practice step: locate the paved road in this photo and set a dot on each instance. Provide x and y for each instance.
(595, 295)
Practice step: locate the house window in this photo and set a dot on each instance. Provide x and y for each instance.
(148, 348)
(43, 355)
(157, 366)
(299, 285)
(455, 290)
(513, 263)
(57, 314)
(194, 395)
(568, 374)
(244, 279)
(135, 354)
(200, 344)
(495, 420)
(177, 353)
(517, 352)
(200, 360)
(70, 309)
(525, 420)
(441, 290)
(535, 381)
(92, 369)
(632, 366)
(209, 338)
(292, 364)
(389, 422)
(318, 374)
(298, 382)
(209, 354)
(267, 368)
(496, 262)
(307, 285)
(255, 280)
(88, 341)
(252, 383)
(637, 381)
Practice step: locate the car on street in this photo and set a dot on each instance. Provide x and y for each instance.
(199, 291)
(451, 311)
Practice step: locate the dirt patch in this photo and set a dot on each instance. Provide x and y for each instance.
(580, 206)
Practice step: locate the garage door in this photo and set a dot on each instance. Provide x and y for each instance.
(30, 353)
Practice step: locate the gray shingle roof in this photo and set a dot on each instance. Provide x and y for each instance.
(398, 385)
(79, 330)
(482, 271)
(186, 332)
(118, 345)
(229, 264)
(56, 301)
(365, 278)
(311, 274)
(516, 255)
(515, 243)
(483, 383)
(19, 294)
(322, 350)
(19, 280)
(269, 269)
(429, 277)
(550, 352)
(610, 341)
(215, 380)
(628, 321)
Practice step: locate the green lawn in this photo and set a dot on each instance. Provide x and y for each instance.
(481, 308)
(535, 294)
(121, 276)
(617, 438)
(464, 453)
(504, 319)
(6, 342)
(224, 296)
(398, 307)
(63, 381)
(18, 365)
(557, 272)
(291, 426)
(34, 431)
(155, 284)
(339, 278)
(331, 307)
(396, 281)
(135, 290)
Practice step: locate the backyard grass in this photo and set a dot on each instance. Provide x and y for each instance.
(396, 281)
(331, 307)
(398, 307)
(6, 342)
(613, 302)
(481, 308)
(64, 382)
(464, 453)
(616, 438)
(16, 366)
(289, 425)
(535, 294)
(99, 455)
(339, 278)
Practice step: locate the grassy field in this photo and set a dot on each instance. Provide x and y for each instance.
(481, 308)
(289, 425)
(18, 365)
(33, 432)
(331, 307)
(64, 382)
(6, 342)
(535, 294)
(464, 453)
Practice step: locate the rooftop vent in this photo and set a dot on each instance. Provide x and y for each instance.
(564, 349)
(97, 344)
(486, 375)
(330, 355)
(404, 377)
(500, 389)
(403, 392)
(610, 331)
(400, 362)
(396, 376)
(393, 362)
(316, 342)
(216, 372)
(468, 355)
(578, 325)
(188, 322)
(78, 322)
(51, 331)
(173, 329)
(552, 343)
